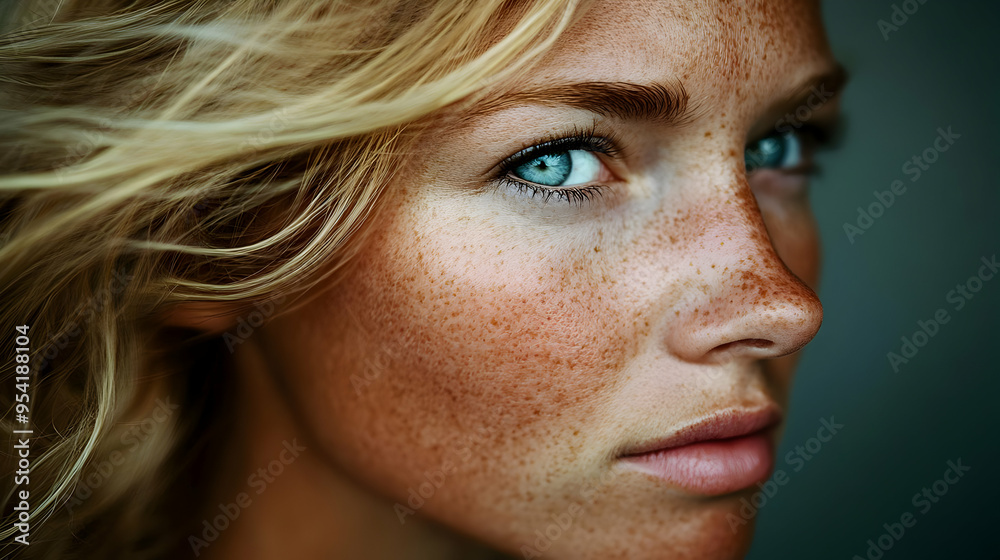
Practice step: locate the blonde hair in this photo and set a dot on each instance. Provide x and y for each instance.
(154, 153)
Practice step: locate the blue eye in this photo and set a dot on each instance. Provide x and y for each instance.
(778, 151)
(566, 168)
(560, 169)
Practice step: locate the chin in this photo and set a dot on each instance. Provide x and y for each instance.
(672, 527)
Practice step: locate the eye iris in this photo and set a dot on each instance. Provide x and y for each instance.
(551, 169)
(767, 152)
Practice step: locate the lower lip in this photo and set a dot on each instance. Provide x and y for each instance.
(711, 467)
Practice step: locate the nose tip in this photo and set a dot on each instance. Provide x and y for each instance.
(756, 309)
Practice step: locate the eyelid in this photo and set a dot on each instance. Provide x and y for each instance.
(820, 135)
(806, 131)
(586, 140)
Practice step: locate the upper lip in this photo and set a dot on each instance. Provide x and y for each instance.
(724, 424)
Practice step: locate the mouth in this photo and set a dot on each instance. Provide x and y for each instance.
(726, 452)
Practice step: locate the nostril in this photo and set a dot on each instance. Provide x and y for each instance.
(745, 342)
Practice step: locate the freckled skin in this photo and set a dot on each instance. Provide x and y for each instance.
(527, 344)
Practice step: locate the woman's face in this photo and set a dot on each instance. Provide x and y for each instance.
(511, 330)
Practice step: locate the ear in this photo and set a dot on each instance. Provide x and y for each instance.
(206, 317)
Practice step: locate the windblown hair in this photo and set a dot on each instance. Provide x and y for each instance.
(164, 152)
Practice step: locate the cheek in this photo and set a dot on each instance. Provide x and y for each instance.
(502, 335)
(444, 345)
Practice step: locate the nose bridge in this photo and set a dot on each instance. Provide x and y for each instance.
(726, 230)
(744, 245)
(749, 303)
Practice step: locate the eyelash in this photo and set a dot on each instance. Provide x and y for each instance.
(587, 140)
(814, 138)
(569, 194)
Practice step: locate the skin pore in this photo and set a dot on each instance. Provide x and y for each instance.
(508, 343)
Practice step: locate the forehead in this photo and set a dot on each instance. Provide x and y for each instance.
(715, 48)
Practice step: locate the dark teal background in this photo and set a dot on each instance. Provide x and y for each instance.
(939, 69)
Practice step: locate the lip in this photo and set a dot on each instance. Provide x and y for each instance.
(728, 451)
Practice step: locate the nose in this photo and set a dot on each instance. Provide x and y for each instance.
(741, 300)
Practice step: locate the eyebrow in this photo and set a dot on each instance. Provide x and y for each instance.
(655, 102)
